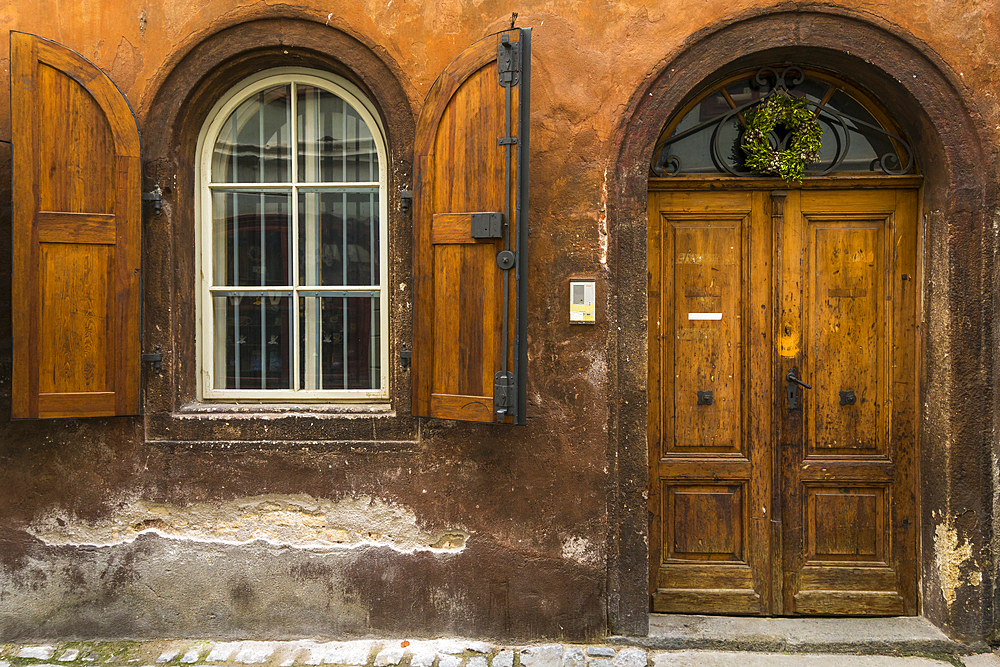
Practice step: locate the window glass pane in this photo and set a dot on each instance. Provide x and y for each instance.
(252, 341)
(338, 237)
(340, 343)
(335, 145)
(251, 238)
(254, 144)
(867, 144)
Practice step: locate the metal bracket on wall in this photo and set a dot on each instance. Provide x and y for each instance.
(155, 358)
(156, 196)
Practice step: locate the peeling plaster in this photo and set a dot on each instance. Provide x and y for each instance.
(581, 550)
(298, 521)
(950, 558)
(602, 221)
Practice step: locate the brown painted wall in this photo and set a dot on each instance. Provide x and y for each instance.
(448, 528)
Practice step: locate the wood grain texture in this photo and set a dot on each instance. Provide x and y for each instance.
(77, 228)
(454, 228)
(458, 310)
(77, 232)
(704, 481)
(463, 408)
(847, 481)
(825, 494)
(83, 404)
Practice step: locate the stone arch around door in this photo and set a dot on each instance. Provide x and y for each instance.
(957, 394)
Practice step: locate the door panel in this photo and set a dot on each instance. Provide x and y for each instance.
(846, 479)
(710, 551)
(759, 506)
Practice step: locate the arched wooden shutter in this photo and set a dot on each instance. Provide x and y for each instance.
(76, 227)
(470, 235)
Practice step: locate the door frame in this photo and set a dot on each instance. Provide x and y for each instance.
(960, 200)
(773, 557)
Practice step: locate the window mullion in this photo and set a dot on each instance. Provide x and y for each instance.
(311, 338)
(293, 229)
(371, 277)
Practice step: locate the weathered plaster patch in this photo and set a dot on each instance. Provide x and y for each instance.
(950, 558)
(602, 221)
(127, 65)
(299, 521)
(581, 550)
(597, 372)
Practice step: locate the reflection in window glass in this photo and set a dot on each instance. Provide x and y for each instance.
(251, 238)
(334, 143)
(339, 232)
(340, 341)
(253, 146)
(253, 335)
(300, 229)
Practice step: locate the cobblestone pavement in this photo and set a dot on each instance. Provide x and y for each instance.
(433, 653)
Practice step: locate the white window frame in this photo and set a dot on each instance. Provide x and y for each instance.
(205, 333)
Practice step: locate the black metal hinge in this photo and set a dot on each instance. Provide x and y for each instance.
(156, 196)
(155, 358)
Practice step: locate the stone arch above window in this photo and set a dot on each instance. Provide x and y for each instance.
(705, 135)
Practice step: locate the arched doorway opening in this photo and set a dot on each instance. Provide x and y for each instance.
(783, 356)
(959, 200)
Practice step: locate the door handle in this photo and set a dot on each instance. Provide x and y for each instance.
(791, 377)
(792, 390)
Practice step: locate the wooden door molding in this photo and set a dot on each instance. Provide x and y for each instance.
(756, 508)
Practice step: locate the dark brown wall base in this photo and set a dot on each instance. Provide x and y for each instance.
(157, 587)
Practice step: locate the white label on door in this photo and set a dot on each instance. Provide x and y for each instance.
(704, 316)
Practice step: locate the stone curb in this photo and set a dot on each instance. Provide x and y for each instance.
(618, 652)
(780, 644)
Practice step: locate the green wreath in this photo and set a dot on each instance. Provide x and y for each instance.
(803, 147)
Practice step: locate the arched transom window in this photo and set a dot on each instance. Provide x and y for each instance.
(706, 136)
(292, 227)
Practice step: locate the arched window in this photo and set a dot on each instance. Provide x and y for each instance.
(293, 275)
(705, 136)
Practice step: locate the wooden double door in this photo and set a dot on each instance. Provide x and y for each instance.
(783, 397)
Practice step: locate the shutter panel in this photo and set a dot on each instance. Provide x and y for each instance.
(470, 235)
(76, 228)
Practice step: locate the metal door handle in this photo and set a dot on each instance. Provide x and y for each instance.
(791, 377)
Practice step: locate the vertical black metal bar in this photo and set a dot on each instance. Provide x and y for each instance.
(507, 83)
(521, 207)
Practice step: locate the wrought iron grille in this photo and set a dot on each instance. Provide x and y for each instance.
(708, 138)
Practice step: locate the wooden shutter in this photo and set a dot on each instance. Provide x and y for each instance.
(470, 232)
(76, 227)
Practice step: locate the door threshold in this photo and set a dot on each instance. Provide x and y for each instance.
(869, 635)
